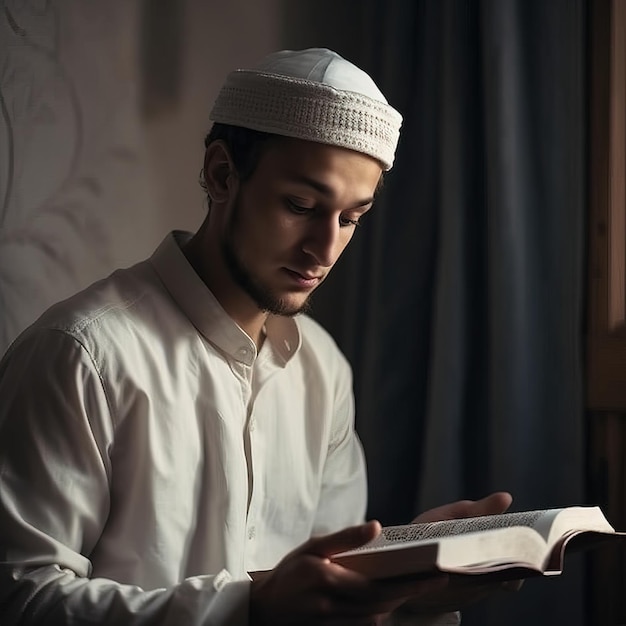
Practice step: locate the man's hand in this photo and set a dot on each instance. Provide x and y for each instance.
(462, 591)
(306, 588)
(493, 504)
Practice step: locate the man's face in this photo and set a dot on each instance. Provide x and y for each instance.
(287, 225)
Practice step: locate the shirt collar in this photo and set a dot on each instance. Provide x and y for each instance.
(205, 312)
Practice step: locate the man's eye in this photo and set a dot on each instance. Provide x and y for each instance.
(345, 221)
(297, 208)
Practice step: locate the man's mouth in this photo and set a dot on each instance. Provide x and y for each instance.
(304, 278)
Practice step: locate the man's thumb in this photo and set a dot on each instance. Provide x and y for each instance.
(346, 539)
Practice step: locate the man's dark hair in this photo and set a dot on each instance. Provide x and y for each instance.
(244, 144)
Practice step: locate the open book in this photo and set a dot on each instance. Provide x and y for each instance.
(510, 545)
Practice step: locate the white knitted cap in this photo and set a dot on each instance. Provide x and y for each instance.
(312, 94)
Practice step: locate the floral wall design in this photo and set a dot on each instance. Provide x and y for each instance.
(74, 188)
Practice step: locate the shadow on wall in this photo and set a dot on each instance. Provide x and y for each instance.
(103, 109)
(71, 155)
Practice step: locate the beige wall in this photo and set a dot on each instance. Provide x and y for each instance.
(88, 180)
(219, 36)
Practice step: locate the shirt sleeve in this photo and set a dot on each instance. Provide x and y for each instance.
(343, 497)
(55, 431)
(344, 492)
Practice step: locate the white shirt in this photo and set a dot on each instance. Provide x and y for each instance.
(146, 465)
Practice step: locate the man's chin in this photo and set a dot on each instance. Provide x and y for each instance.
(287, 307)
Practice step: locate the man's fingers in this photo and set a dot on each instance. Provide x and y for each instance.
(424, 586)
(346, 539)
(383, 596)
(494, 503)
(512, 585)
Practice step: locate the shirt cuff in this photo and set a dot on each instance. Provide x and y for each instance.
(226, 601)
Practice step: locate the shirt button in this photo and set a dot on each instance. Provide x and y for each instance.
(251, 532)
(243, 351)
(252, 425)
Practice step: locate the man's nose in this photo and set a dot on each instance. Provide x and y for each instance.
(324, 241)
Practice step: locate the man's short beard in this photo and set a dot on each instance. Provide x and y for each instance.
(263, 296)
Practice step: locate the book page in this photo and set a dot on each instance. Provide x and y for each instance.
(510, 544)
(539, 520)
(495, 550)
(577, 519)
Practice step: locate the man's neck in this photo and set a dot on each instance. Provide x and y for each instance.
(210, 267)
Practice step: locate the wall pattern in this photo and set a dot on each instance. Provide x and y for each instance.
(75, 194)
(103, 108)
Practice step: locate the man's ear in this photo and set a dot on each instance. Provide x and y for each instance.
(219, 172)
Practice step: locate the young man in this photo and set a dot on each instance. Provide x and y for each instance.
(177, 444)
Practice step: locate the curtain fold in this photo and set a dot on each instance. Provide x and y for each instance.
(460, 302)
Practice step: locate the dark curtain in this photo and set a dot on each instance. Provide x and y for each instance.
(460, 301)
